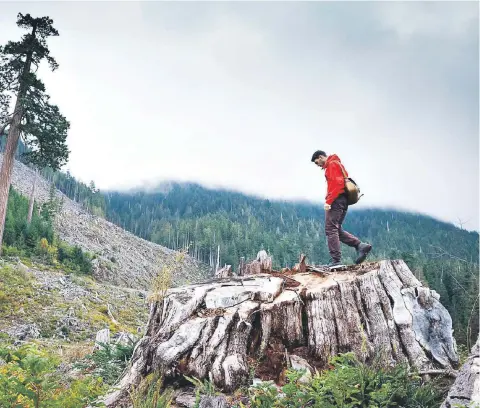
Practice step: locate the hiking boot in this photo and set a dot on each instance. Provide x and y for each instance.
(362, 252)
(335, 265)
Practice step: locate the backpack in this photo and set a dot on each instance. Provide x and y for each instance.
(352, 189)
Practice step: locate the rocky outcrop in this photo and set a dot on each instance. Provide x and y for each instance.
(122, 258)
(215, 329)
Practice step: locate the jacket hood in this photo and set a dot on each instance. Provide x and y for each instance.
(332, 157)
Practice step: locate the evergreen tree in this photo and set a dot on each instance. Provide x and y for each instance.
(43, 128)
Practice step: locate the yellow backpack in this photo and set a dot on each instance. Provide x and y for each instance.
(352, 189)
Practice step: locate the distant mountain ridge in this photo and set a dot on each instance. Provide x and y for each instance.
(166, 186)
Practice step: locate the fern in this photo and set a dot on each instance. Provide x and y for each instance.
(109, 361)
(149, 393)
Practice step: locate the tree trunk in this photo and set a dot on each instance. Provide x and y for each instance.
(12, 142)
(241, 267)
(214, 330)
(7, 165)
(32, 198)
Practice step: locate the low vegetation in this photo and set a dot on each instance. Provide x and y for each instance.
(36, 240)
(347, 383)
(350, 383)
(29, 379)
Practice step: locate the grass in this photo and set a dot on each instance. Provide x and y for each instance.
(17, 292)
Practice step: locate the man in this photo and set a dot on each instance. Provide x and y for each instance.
(336, 207)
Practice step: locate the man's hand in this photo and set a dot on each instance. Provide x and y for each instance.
(327, 207)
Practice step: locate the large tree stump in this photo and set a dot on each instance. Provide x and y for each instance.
(212, 330)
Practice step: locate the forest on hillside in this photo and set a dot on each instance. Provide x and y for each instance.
(203, 219)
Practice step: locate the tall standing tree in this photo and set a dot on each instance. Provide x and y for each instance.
(40, 124)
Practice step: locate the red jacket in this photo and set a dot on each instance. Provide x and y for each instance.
(335, 178)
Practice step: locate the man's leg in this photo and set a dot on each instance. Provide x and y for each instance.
(351, 240)
(348, 239)
(344, 236)
(333, 219)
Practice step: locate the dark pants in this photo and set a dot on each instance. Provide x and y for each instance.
(333, 228)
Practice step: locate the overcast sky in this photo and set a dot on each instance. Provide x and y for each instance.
(240, 95)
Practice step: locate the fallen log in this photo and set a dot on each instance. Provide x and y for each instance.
(323, 271)
(213, 330)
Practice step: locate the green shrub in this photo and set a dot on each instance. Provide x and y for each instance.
(74, 258)
(204, 387)
(108, 361)
(16, 290)
(264, 395)
(80, 393)
(12, 251)
(351, 383)
(28, 379)
(37, 239)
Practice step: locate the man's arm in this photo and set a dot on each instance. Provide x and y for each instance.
(335, 182)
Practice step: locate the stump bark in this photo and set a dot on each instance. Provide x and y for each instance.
(215, 329)
(465, 391)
